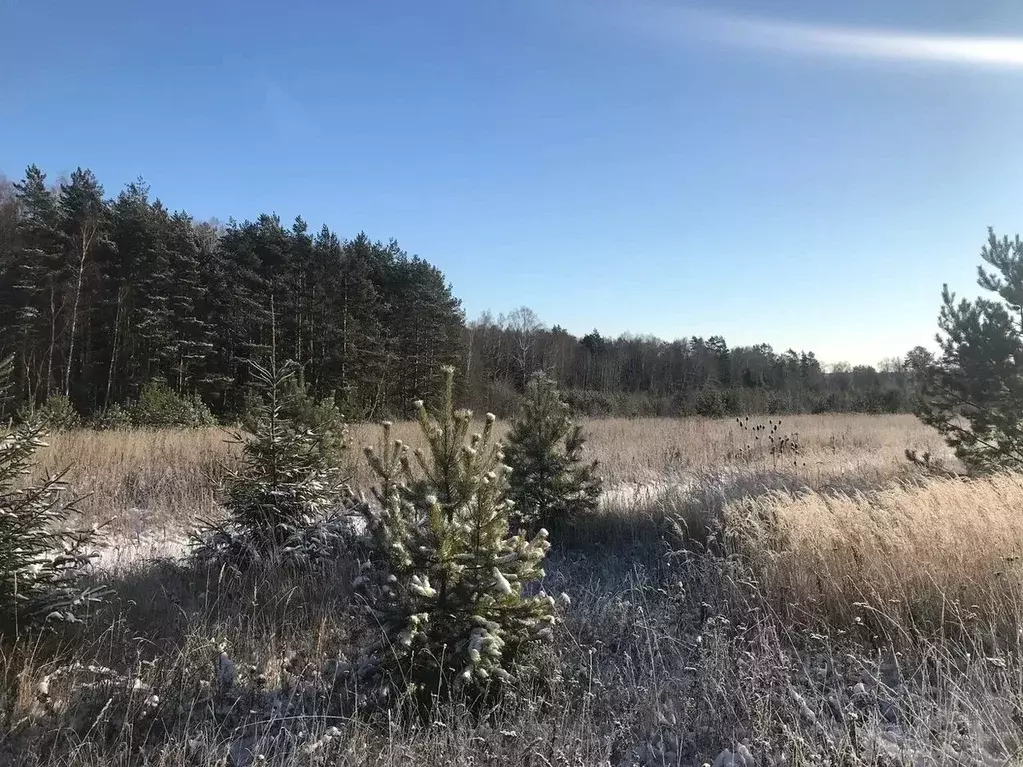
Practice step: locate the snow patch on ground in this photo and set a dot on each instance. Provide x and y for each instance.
(126, 549)
(122, 551)
(637, 493)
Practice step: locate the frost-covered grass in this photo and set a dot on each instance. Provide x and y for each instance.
(857, 614)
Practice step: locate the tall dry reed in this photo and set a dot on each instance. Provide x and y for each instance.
(909, 560)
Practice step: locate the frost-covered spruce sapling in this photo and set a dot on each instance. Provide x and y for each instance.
(446, 591)
(286, 504)
(322, 416)
(42, 561)
(550, 483)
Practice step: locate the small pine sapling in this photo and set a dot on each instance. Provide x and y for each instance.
(42, 561)
(447, 588)
(56, 414)
(550, 482)
(287, 503)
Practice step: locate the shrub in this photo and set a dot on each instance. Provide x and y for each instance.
(41, 562)
(735, 401)
(500, 397)
(590, 403)
(445, 590)
(159, 406)
(56, 414)
(710, 403)
(550, 483)
(285, 503)
(112, 417)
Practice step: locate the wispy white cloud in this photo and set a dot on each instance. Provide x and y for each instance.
(837, 41)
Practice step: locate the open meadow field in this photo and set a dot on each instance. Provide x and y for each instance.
(511, 384)
(732, 603)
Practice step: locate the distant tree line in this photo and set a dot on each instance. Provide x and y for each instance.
(643, 375)
(101, 297)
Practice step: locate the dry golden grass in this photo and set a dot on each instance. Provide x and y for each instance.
(140, 480)
(915, 558)
(147, 479)
(641, 450)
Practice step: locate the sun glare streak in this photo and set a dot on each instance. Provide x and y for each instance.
(861, 42)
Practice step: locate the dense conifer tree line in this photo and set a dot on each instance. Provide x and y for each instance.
(101, 295)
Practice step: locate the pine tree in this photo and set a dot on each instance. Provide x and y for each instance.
(138, 301)
(212, 305)
(346, 338)
(550, 482)
(447, 591)
(286, 504)
(361, 354)
(84, 217)
(42, 563)
(191, 335)
(423, 323)
(129, 235)
(29, 315)
(973, 394)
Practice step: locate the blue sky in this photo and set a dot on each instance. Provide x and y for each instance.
(792, 172)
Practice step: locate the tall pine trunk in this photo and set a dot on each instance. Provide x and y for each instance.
(117, 341)
(88, 231)
(53, 340)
